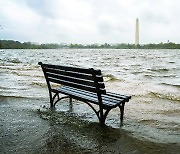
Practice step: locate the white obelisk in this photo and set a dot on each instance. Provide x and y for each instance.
(137, 32)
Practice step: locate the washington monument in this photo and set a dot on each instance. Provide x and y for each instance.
(137, 32)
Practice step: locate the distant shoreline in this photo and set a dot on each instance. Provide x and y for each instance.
(11, 44)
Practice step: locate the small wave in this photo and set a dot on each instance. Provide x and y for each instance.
(18, 97)
(159, 69)
(26, 73)
(173, 112)
(164, 96)
(149, 76)
(167, 76)
(39, 84)
(148, 122)
(137, 72)
(3, 88)
(172, 62)
(110, 77)
(174, 85)
(2, 97)
(16, 61)
(107, 58)
(160, 76)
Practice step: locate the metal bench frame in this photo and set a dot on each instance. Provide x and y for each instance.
(85, 85)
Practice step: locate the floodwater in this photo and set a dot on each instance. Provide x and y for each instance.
(151, 120)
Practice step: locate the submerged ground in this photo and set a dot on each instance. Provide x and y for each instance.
(28, 126)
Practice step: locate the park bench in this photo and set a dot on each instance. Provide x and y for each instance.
(85, 85)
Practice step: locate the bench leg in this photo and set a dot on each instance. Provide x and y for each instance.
(122, 111)
(52, 104)
(102, 116)
(58, 99)
(70, 99)
(51, 101)
(70, 105)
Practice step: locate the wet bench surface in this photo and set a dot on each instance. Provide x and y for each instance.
(85, 85)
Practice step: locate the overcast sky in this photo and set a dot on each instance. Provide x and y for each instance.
(90, 21)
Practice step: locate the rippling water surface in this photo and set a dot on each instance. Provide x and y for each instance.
(152, 77)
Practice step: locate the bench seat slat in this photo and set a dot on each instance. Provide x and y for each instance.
(85, 98)
(104, 97)
(72, 93)
(118, 95)
(72, 69)
(91, 97)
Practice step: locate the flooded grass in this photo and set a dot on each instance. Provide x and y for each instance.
(29, 126)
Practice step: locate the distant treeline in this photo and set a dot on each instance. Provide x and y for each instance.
(10, 44)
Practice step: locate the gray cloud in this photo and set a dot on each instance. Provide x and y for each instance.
(91, 21)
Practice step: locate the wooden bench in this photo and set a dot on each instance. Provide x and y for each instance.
(85, 85)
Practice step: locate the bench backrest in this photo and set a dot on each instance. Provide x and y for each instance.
(86, 79)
